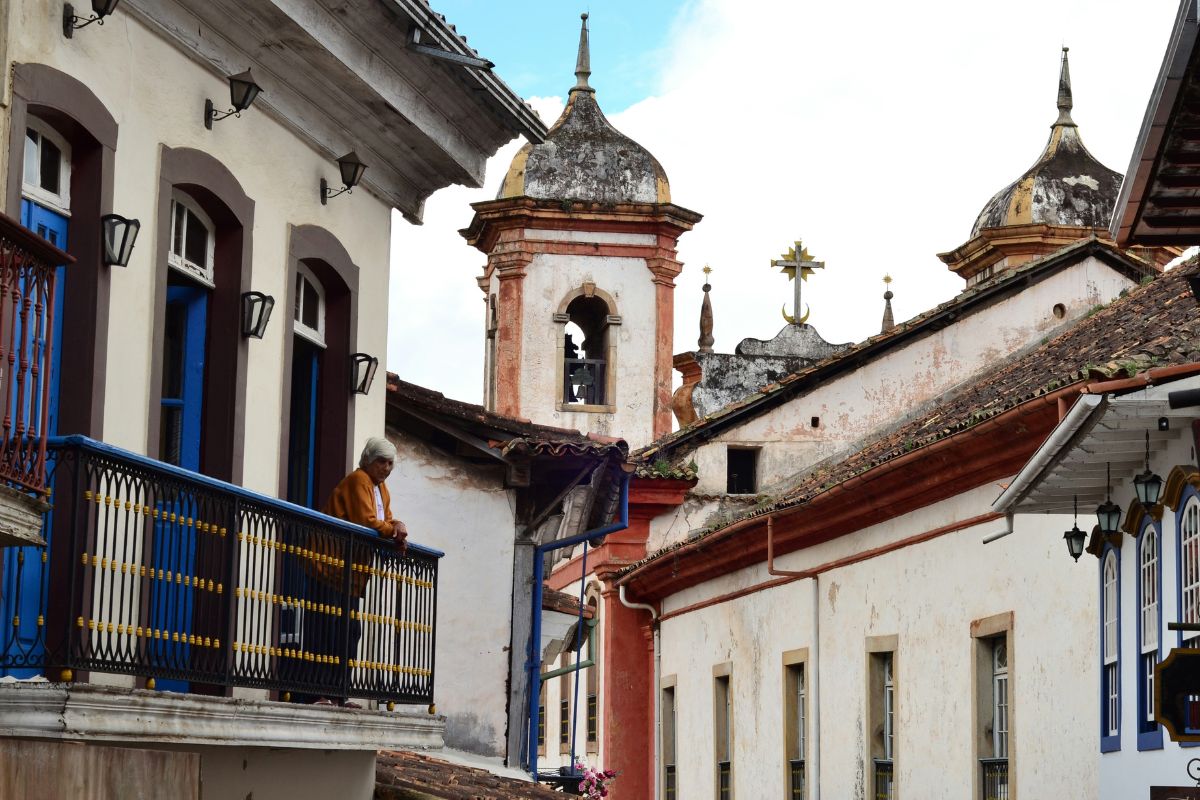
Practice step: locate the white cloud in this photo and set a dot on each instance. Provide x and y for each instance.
(874, 130)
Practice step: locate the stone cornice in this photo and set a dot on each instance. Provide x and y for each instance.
(98, 713)
(494, 216)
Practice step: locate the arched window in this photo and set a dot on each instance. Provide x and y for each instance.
(192, 239)
(308, 316)
(1149, 622)
(1110, 676)
(1189, 567)
(587, 349)
(46, 176)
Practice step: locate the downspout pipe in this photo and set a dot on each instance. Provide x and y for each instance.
(533, 664)
(656, 688)
(814, 651)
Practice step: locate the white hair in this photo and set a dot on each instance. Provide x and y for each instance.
(377, 447)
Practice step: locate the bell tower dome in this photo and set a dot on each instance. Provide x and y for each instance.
(580, 277)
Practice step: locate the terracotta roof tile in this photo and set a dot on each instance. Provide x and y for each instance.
(1154, 325)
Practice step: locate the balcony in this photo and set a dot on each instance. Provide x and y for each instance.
(883, 780)
(187, 584)
(995, 778)
(27, 276)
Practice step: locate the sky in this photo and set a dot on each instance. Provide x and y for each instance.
(874, 131)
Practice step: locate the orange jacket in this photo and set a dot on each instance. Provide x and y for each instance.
(354, 499)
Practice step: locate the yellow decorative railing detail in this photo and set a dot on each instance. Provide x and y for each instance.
(394, 622)
(141, 570)
(140, 632)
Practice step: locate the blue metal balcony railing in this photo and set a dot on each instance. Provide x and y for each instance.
(155, 571)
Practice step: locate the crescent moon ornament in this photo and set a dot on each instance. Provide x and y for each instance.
(792, 320)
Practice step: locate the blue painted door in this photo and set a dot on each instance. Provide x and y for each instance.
(173, 549)
(23, 587)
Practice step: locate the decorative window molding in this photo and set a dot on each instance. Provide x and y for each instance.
(795, 722)
(1149, 628)
(308, 314)
(881, 715)
(994, 742)
(1188, 537)
(1110, 650)
(193, 240)
(46, 173)
(723, 730)
(670, 785)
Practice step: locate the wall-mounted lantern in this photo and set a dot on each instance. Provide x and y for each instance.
(362, 372)
(352, 170)
(72, 23)
(117, 235)
(1075, 538)
(242, 91)
(1108, 513)
(256, 312)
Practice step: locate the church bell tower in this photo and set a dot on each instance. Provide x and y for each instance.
(580, 277)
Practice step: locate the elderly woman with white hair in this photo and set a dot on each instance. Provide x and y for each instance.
(362, 496)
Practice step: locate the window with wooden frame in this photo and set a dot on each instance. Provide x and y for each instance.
(723, 731)
(1110, 652)
(593, 675)
(308, 317)
(46, 174)
(193, 240)
(795, 723)
(1149, 549)
(564, 706)
(881, 715)
(541, 729)
(992, 706)
(670, 779)
(1189, 567)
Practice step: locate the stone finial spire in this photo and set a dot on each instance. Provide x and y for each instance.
(1064, 93)
(889, 321)
(583, 62)
(706, 316)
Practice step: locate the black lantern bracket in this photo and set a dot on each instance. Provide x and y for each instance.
(72, 23)
(351, 169)
(242, 92)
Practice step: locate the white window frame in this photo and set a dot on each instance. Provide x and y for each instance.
(314, 335)
(889, 710)
(1148, 580)
(199, 272)
(1000, 703)
(1111, 644)
(1189, 566)
(801, 707)
(32, 189)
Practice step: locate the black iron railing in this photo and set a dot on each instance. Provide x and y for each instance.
(883, 780)
(995, 778)
(796, 778)
(724, 780)
(159, 572)
(583, 381)
(669, 782)
(28, 264)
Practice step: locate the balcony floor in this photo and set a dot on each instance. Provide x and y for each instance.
(137, 716)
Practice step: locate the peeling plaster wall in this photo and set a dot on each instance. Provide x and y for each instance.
(549, 280)
(927, 595)
(884, 391)
(166, 108)
(466, 512)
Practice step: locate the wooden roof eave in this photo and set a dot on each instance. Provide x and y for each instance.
(946, 467)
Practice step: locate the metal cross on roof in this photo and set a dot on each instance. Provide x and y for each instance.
(796, 259)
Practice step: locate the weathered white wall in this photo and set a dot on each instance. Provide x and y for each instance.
(467, 513)
(549, 279)
(885, 390)
(927, 595)
(156, 94)
(263, 774)
(1129, 771)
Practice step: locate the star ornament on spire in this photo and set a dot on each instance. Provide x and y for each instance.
(797, 261)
